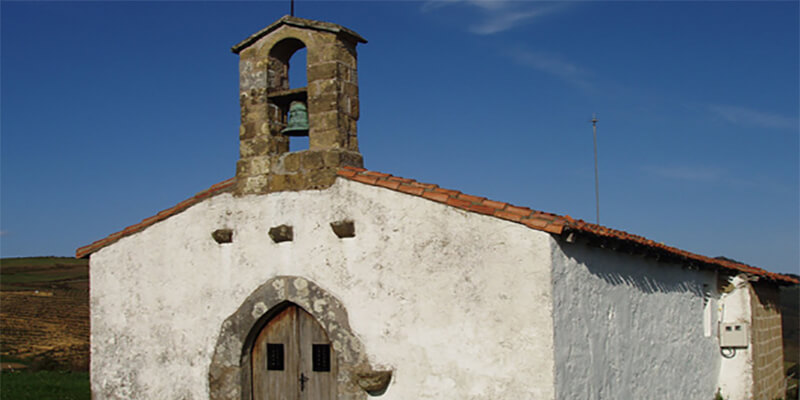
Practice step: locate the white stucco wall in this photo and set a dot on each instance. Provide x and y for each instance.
(457, 304)
(736, 370)
(627, 327)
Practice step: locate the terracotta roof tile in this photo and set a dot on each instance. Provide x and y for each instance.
(481, 209)
(474, 199)
(521, 211)
(405, 188)
(388, 184)
(435, 196)
(447, 191)
(458, 203)
(507, 215)
(543, 221)
(346, 172)
(372, 180)
(494, 204)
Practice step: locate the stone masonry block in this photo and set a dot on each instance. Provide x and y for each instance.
(327, 139)
(323, 70)
(353, 159)
(338, 158)
(350, 89)
(278, 183)
(251, 185)
(243, 167)
(312, 160)
(323, 103)
(355, 108)
(322, 86)
(282, 233)
(331, 158)
(222, 235)
(332, 120)
(279, 144)
(352, 143)
(344, 229)
(247, 131)
(330, 51)
(253, 147)
(353, 75)
(291, 162)
(253, 166)
(321, 178)
(255, 113)
(333, 53)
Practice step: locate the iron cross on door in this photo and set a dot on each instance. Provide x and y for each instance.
(292, 359)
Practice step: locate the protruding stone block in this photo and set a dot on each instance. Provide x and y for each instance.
(223, 235)
(281, 233)
(344, 229)
(374, 382)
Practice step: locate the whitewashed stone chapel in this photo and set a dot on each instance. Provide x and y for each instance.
(308, 277)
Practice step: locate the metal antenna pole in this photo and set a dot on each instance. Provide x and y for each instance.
(292, 9)
(596, 176)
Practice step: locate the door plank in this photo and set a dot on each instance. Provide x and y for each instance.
(321, 384)
(273, 384)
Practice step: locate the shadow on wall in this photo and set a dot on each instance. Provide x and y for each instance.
(636, 271)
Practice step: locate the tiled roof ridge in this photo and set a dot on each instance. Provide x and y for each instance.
(543, 221)
(221, 187)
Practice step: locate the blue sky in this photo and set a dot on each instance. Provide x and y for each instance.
(113, 111)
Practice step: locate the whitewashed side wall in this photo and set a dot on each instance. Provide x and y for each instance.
(736, 370)
(631, 328)
(457, 304)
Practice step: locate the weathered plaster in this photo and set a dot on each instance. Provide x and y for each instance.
(736, 372)
(627, 327)
(456, 304)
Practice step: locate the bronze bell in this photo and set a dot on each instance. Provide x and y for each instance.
(298, 120)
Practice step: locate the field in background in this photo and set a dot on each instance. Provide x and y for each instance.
(44, 309)
(44, 385)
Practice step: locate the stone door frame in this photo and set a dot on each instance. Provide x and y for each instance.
(230, 375)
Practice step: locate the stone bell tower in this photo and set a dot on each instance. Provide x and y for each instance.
(331, 97)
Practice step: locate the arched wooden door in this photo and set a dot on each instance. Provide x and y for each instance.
(292, 359)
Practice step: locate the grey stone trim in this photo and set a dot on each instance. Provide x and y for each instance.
(229, 376)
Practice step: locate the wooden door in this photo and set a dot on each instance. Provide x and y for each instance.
(292, 359)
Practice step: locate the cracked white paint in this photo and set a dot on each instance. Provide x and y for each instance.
(457, 304)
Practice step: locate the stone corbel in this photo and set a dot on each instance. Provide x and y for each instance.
(374, 382)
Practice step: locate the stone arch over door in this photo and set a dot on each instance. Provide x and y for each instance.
(230, 374)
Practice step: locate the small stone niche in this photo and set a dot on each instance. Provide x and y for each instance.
(344, 229)
(281, 233)
(223, 235)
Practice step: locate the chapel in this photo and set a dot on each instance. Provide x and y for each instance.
(307, 276)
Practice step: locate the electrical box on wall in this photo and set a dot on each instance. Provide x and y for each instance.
(734, 334)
